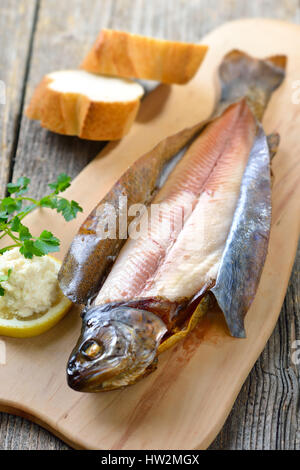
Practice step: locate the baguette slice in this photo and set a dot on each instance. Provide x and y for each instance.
(75, 102)
(129, 55)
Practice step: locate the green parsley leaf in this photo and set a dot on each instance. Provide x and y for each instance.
(47, 243)
(12, 213)
(61, 184)
(28, 249)
(17, 226)
(20, 187)
(48, 201)
(3, 217)
(24, 233)
(10, 205)
(68, 209)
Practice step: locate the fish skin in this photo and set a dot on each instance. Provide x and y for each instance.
(249, 234)
(207, 178)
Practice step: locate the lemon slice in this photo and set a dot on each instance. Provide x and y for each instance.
(25, 328)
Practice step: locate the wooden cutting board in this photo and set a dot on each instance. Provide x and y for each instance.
(183, 404)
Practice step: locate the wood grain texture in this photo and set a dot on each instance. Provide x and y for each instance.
(265, 414)
(17, 22)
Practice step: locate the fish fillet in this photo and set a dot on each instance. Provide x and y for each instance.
(182, 240)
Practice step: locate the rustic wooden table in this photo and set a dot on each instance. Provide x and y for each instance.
(38, 36)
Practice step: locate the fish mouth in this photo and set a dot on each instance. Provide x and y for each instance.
(76, 379)
(82, 380)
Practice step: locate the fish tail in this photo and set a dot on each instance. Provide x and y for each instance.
(243, 76)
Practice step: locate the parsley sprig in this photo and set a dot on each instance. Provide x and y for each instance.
(18, 205)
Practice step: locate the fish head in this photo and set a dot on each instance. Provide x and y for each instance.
(117, 347)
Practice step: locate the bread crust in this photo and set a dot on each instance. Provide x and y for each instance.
(129, 55)
(76, 114)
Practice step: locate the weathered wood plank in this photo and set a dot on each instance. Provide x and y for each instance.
(265, 414)
(17, 20)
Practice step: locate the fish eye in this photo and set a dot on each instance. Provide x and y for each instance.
(91, 349)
